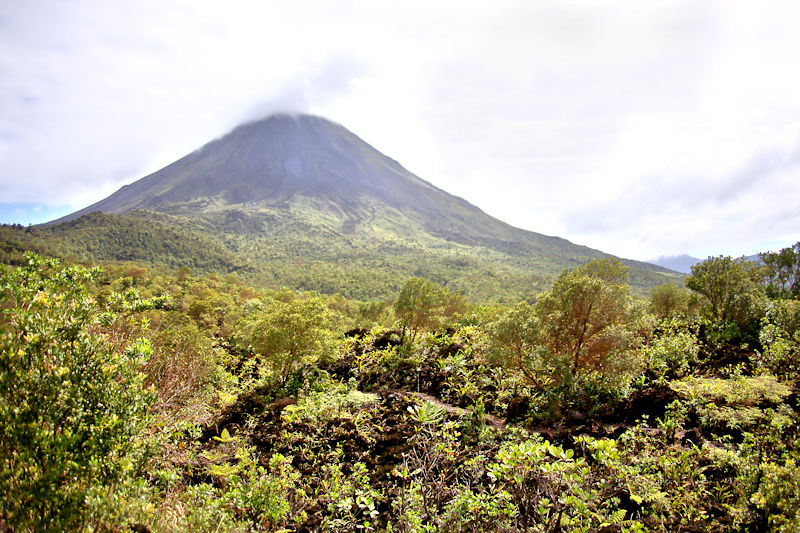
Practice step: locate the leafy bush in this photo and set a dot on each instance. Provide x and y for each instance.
(780, 338)
(423, 305)
(735, 403)
(290, 333)
(70, 406)
(336, 400)
(673, 350)
(668, 299)
(768, 472)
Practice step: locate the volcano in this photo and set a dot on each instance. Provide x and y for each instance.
(301, 192)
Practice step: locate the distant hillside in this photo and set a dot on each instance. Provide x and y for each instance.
(679, 263)
(101, 237)
(306, 203)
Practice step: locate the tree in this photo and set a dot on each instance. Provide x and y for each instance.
(577, 330)
(667, 299)
(71, 406)
(732, 288)
(286, 333)
(783, 272)
(584, 317)
(423, 304)
(514, 342)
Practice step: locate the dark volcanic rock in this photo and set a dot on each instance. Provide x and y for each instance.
(652, 402)
(517, 408)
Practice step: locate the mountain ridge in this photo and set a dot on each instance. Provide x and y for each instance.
(309, 190)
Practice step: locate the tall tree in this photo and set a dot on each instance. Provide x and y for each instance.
(732, 288)
(583, 317)
(577, 330)
(783, 272)
(422, 305)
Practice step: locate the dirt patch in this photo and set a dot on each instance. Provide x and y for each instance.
(388, 339)
(518, 408)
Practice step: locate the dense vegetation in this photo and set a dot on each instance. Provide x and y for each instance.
(101, 237)
(158, 400)
(305, 248)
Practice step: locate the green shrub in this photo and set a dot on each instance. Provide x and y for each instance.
(673, 351)
(735, 403)
(70, 405)
(768, 472)
(668, 299)
(780, 339)
(289, 334)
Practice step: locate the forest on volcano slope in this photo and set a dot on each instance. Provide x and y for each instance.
(148, 399)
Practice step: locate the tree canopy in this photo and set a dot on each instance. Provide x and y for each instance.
(731, 288)
(423, 304)
(783, 272)
(580, 327)
(286, 333)
(584, 315)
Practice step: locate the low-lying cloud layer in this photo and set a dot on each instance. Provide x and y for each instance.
(640, 128)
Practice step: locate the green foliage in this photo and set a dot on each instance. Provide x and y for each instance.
(515, 339)
(427, 416)
(584, 320)
(664, 479)
(371, 313)
(290, 333)
(673, 349)
(734, 403)
(71, 406)
(260, 494)
(423, 305)
(780, 339)
(767, 472)
(731, 288)
(351, 500)
(136, 236)
(551, 488)
(778, 495)
(304, 245)
(182, 358)
(338, 401)
(668, 299)
(740, 390)
(783, 272)
(247, 496)
(238, 455)
(575, 344)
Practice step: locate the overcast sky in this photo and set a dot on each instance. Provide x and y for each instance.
(640, 128)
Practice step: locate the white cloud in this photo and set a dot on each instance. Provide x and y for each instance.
(640, 128)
